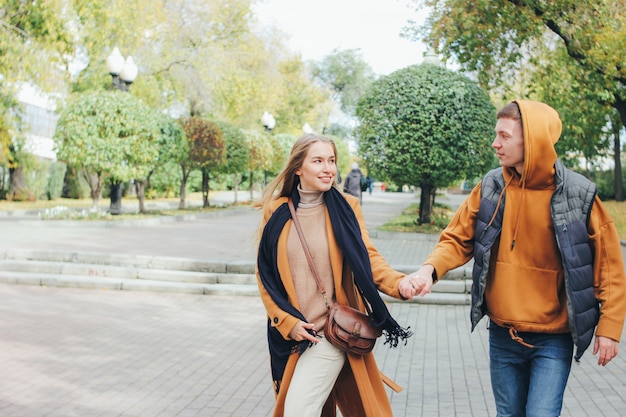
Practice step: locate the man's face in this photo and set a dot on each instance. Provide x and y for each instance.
(509, 143)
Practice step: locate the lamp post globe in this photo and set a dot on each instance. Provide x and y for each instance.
(430, 57)
(115, 65)
(129, 73)
(268, 121)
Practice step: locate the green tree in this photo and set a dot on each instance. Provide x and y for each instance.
(426, 126)
(108, 135)
(172, 147)
(494, 38)
(261, 154)
(207, 150)
(237, 154)
(346, 74)
(33, 44)
(298, 99)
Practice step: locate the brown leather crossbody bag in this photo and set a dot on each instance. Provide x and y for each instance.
(346, 328)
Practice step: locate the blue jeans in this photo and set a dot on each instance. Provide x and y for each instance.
(529, 382)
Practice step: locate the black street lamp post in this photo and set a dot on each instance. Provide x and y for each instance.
(268, 122)
(123, 73)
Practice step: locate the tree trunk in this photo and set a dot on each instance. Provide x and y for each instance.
(425, 204)
(236, 181)
(205, 188)
(183, 187)
(141, 194)
(95, 186)
(19, 191)
(433, 194)
(251, 185)
(619, 186)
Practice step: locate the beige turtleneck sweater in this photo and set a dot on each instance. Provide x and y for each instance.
(312, 216)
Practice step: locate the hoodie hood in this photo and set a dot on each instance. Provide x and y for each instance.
(541, 126)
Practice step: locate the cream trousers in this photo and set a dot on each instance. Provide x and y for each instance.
(313, 380)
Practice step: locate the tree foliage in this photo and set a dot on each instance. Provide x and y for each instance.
(426, 126)
(347, 75)
(583, 39)
(299, 100)
(172, 147)
(204, 58)
(33, 41)
(237, 154)
(261, 154)
(207, 149)
(28, 26)
(109, 135)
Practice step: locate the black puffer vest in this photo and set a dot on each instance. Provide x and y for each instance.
(570, 209)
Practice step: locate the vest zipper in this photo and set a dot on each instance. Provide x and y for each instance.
(567, 240)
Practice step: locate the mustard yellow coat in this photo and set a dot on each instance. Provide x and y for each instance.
(359, 390)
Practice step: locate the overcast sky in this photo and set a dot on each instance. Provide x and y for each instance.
(317, 27)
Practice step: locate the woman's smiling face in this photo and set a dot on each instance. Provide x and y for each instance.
(318, 169)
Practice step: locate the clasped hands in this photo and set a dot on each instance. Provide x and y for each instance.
(419, 282)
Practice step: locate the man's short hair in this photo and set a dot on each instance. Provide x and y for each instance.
(510, 111)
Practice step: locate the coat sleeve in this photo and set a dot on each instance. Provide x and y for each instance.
(609, 276)
(456, 243)
(386, 278)
(278, 317)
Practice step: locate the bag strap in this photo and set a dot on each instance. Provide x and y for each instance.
(307, 252)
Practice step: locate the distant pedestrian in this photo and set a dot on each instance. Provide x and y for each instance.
(548, 267)
(309, 373)
(352, 183)
(370, 184)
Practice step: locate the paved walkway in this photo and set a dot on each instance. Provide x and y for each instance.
(69, 352)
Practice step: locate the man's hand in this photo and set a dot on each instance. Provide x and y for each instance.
(421, 281)
(607, 347)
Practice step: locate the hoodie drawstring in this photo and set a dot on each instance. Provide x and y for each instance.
(515, 336)
(495, 212)
(519, 212)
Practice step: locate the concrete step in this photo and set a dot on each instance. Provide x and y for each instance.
(127, 261)
(122, 284)
(131, 272)
(162, 274)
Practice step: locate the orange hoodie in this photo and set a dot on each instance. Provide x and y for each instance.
(525, 287)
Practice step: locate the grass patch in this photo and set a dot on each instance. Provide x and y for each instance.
(408, 220)
(65, 213)
(617, 210)
(75, 209)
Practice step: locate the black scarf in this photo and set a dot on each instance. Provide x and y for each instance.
(348, 234)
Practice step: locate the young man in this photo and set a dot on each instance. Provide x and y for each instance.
(548, 268)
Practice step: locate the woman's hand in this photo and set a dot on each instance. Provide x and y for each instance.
(405, 288)
(301, 331)
(421, 281)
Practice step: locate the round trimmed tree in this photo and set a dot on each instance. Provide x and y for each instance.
(107, 135)
(426, 126)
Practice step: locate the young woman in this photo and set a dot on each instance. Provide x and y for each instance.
(311, 376)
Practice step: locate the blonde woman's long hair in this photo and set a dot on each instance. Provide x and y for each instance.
(284, 183)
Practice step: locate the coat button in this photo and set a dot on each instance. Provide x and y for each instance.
(275, 320)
